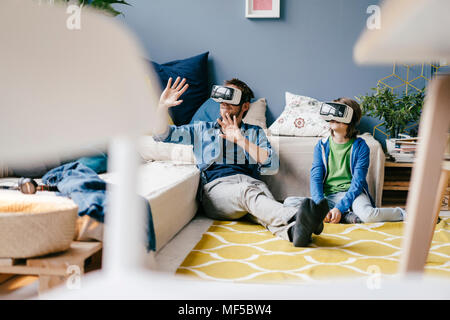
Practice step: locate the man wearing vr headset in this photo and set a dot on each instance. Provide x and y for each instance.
(340, 167)
(231, 155)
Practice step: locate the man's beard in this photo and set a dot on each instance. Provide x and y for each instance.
(232, 115)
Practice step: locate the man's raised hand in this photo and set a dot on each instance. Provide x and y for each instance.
(169, 97)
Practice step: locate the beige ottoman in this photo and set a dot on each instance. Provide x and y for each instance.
(35, 225)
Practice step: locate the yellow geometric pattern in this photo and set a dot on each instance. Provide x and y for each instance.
(244, 252)
(403, 79)
(408, 76)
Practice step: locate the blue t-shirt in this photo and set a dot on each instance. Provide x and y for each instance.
(230, 167)
(209, 152)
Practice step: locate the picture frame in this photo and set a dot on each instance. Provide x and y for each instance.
(262, 8)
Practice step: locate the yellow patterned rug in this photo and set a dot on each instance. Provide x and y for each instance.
(244, 252)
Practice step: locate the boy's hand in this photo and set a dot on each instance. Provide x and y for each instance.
(171, 94)
(333, 216)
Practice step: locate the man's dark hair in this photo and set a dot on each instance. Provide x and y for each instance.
(352, 132)
(247, 93)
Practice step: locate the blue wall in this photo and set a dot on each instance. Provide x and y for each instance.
(307, 51)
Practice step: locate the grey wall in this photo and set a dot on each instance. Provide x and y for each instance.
(307, 51)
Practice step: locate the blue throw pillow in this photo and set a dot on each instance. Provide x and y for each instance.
(195, 70)
(209, 111)
(98, 163)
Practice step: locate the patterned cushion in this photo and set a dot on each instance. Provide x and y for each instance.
(300, 118)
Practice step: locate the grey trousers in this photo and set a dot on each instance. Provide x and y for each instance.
(233, 197)
(361, 207)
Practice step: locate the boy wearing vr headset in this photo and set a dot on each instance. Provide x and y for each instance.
(231, 155)
(340, 166)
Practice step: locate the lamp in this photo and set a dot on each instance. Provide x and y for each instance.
(62, 90)
(417, 31)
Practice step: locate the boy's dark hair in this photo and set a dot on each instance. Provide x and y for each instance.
(352, 132)
(247, 93)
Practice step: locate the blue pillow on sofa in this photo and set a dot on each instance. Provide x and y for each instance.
(195, 70)
(209, 111)
(98, 163)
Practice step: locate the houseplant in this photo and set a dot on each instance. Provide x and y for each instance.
(396, 111)
(104, 5)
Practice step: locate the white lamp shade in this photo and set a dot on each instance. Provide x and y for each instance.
(69, 88)
(411, 31)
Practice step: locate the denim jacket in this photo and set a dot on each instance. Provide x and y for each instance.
(359, 165)
(88, 191)
(204, 136)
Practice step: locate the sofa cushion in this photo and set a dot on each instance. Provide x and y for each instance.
(151, 150)
(209, 111)
(195, 70)
(98, 163)
(300, 118)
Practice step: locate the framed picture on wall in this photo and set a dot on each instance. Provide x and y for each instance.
(262, 8)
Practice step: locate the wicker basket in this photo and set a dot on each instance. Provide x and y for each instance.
(35, 225)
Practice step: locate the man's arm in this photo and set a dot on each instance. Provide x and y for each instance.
(258, 154)
(169, 98)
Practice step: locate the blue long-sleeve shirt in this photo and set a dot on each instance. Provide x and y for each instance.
(208, 146)
(359, 165)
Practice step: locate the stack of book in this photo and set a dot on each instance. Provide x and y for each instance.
(404, 150)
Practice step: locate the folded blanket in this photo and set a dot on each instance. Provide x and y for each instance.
(88, 191)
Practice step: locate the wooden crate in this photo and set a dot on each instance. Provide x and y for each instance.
(56, 269)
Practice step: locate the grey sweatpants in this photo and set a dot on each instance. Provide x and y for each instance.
(361, 206)
(232, 197)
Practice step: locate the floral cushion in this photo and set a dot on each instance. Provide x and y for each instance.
(300, 118)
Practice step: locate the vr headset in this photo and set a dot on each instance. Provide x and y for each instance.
(336, 111)
(226, 94)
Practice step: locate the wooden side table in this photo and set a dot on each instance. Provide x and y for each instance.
(397, 176)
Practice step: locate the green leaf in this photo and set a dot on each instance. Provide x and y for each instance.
(104, 5)
(395, 112)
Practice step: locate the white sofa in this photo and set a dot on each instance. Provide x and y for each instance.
(169, 180)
